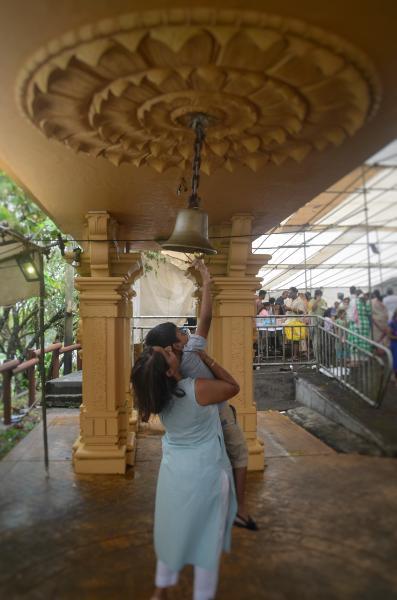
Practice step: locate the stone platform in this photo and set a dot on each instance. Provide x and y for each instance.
(65, 391)
(328, 523)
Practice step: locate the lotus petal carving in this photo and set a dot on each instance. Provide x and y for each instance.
(126, 88)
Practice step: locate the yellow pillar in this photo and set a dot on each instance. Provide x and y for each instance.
(107, 442)
(234, 272)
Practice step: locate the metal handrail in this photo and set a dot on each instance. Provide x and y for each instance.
(279, 342)
(357, 362)
(10, 368)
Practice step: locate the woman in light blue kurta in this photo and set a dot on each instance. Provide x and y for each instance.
(195, 499)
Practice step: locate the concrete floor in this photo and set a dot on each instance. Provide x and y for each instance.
(328, 523)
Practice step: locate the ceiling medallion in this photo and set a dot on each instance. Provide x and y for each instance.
(125, 88)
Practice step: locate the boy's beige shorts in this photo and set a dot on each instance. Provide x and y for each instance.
(235, 443)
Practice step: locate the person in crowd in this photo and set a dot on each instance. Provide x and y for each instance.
(341, 318)
(281, 301)
(352, 317)
(294, 304)
(364, 313)
(275, 330)
(195, 498)
(346, 304)
(272, 302)
(303, 297)
(328, 320)
(341, 346)
(359, 322)
(351, 310)
(263, 320)
(390, 301)
(187, 348)
(190, 323)
(325, 347)
(308, 296)
(318, 305)
(340, 296)
(259, 301)
(335, 308)
(265, 311)
(393, 342)
(380, 329)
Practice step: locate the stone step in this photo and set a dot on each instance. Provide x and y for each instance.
(63, 400)
(68, 384)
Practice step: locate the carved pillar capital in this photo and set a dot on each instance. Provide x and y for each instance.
(235, 258)
(98, 230)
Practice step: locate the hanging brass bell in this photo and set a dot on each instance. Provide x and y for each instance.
(190, 233)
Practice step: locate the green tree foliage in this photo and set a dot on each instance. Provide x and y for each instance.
(19, 329)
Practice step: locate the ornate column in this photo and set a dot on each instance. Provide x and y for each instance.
(106, 443)
(234, 272)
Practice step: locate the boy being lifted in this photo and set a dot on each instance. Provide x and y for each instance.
(189, 349)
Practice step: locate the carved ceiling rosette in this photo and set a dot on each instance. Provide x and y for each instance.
(273, 88)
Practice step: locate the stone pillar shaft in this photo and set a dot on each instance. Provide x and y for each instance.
(234, 272)
(106, 443)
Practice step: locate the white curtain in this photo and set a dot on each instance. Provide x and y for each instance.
(164, 293)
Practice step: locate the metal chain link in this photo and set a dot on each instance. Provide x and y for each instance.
(198, 126)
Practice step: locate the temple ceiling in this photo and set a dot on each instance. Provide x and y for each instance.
(96, 103)
(126, 88)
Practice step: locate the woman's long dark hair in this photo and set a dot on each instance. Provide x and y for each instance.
(153, 388)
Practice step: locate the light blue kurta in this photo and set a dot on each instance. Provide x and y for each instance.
(188, 515)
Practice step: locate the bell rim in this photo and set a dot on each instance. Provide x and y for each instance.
(203, 249)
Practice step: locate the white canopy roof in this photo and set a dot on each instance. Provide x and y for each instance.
(353, 240)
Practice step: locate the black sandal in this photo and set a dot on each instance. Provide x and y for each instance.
(249, 523)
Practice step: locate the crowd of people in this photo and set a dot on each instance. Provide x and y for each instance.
(370, 316)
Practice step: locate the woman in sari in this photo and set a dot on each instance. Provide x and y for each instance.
(359, 315)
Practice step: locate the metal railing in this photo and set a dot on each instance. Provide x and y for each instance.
(282, 339)
(357, 362)
(141, 325)
(11, 368)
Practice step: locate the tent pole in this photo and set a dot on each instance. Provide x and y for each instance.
(368, 249)
(42, 359)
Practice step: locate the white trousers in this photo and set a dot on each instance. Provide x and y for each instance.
(205, 582)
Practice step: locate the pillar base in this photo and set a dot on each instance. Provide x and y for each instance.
(134, 420)
(131, 449)
(101, 460)
(256, 455)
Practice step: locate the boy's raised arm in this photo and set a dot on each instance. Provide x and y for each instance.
(205, 316)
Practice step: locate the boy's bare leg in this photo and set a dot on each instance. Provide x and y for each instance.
(240, 476)
(243, 519)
